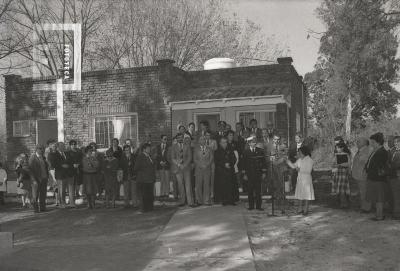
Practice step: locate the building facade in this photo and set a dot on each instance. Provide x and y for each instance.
(138, 102)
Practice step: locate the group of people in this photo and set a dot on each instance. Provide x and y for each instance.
(210, 166)
(375, 168)
(86, 171)
(198, 167)
(204, 167)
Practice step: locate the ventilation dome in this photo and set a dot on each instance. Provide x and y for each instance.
(219, 63)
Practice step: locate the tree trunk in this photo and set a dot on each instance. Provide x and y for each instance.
(348, 118)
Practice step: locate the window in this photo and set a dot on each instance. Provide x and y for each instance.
(109, 127)
(21, 128)
(262, 117)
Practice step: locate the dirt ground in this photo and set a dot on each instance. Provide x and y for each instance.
(107, 239)
(328, 239)
(66, 239)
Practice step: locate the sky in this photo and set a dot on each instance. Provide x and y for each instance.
(289, 21)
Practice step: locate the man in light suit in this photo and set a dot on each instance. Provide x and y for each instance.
(181, 159)
(203, 158)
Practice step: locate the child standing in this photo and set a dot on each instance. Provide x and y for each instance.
(90, 166)
(24, 188)
(304, 186)
(341, 183)
(110, 169)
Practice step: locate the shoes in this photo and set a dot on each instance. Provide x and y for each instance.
(250, 208)
(364, 211)
(260, 209)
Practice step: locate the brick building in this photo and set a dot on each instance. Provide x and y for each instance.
(135, 102)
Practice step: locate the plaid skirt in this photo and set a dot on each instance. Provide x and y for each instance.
(341, 182)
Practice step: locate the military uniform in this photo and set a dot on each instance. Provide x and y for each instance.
(254, 165)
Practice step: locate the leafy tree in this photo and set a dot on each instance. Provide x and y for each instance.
(357, 67)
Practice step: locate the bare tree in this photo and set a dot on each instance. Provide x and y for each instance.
(8, 45)
(137, 33)
(27, 18)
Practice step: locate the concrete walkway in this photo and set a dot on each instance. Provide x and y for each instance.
(205, 238)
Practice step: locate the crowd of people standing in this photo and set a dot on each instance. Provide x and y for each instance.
(196, 167)
(374, 169)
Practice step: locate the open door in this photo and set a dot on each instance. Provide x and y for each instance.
(212, 120)
(46, 129)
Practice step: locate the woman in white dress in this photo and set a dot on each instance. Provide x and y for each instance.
(304, 187)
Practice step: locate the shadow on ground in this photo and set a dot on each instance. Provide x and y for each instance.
(328, 239)
(80, 239)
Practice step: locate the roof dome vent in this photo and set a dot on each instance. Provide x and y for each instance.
(219, 63)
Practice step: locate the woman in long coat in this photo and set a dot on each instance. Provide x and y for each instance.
(225, 173)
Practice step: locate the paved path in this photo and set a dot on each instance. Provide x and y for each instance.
(205, 238)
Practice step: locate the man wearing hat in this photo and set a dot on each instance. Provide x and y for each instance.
(39, 169)
(254, 170)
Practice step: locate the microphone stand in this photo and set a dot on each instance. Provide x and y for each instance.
(272, 187)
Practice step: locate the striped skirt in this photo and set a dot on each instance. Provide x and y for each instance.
(341, 182)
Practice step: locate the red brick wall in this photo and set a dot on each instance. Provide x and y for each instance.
(144, 90)
(139, 90)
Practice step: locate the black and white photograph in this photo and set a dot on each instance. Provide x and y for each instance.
(199, 135)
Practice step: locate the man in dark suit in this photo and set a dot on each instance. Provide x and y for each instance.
(255, 130)
(76, 156)
(39, 169)
(127, 164)
(116, 149)
(146, 176)
(221, 131)
(64, 173)
(293, 155)
(129, 143)
(163, 165)
(254, 170)
(377, 173)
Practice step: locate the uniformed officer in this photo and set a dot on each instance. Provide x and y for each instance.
(254, 170)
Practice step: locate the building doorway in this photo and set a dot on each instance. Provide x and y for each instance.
(45, 130)
(211, 118)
